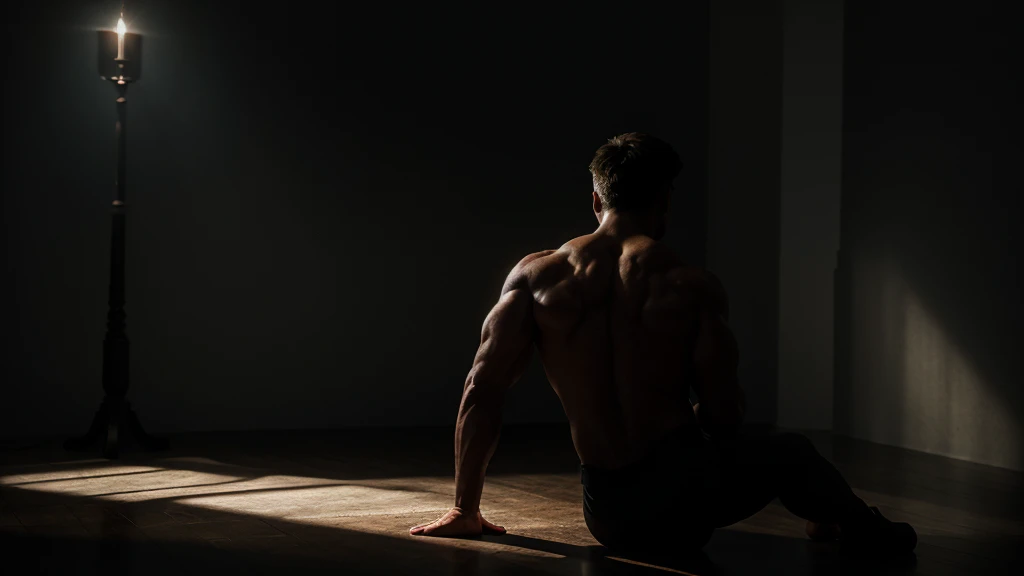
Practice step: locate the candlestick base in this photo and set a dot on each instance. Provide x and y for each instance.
(115, 417)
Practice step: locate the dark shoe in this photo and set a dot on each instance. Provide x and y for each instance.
(820, 532)
(879, 536)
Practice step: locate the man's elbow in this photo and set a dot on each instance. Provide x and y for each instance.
(480, 390)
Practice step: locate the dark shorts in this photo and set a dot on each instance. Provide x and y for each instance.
(688, 485)
(654, 503)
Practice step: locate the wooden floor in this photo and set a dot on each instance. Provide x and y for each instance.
(342, 502)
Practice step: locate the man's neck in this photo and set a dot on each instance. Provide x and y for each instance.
(625, 224)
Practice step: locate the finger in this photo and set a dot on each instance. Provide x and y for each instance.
(418, 529)
(441, 529)
(425, 529)
(443, 526)
(492, 528)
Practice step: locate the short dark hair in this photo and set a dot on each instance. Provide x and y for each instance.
(632, 169)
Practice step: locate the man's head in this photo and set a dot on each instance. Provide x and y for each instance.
(633, 173)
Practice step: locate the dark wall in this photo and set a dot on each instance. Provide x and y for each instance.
(323, 200)
(929, 311)
(745, 147)
(811, 174)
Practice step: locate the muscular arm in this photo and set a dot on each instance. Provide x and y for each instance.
(505, 346)
(506, 342)
(722, 404)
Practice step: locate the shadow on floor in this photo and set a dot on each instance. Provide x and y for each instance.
(363, 553)
(99, 538)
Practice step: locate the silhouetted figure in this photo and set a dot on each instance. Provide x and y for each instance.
(625, 330)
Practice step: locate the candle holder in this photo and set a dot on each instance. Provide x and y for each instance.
(120, 62)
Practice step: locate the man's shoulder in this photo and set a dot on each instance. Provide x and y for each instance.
(535, 260)
(532, 267)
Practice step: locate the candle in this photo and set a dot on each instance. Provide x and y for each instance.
(120, 38)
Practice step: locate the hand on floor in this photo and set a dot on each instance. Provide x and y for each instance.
(457, 524)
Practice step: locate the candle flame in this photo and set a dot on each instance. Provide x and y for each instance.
(121, 29)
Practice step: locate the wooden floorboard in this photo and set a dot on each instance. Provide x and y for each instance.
(342, 502)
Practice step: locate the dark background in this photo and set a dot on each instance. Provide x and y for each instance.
(324, 199)
(930, 315)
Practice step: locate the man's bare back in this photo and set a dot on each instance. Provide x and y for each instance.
(624, 331)
(617, 320)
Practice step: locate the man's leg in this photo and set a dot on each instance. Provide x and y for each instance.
(750, 471)
(753, 470)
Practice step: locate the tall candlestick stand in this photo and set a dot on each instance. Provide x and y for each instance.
(115, 418)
